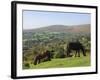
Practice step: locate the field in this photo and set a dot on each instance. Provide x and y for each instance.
(61, 63)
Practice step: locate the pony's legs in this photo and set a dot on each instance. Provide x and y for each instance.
(49, 57)
(68, 53)
(35, 61)
(78, 53)
(84, 53)
(38, 61)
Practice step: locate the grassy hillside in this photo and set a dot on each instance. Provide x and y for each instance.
(61, 63)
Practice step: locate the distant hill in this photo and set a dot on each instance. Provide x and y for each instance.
(63, 28)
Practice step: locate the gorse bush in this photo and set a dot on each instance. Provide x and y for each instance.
(59, 53)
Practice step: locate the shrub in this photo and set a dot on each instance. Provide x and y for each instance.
(59, 53)
(27, 65)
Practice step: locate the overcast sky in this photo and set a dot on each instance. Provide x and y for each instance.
(37, 19)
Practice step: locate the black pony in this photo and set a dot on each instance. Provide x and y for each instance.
(38, 58)
(76, 46)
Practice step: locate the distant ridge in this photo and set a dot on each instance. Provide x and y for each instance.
(62, 28)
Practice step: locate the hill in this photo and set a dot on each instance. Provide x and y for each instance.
(62, 28)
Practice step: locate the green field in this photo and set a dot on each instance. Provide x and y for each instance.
(60, 63)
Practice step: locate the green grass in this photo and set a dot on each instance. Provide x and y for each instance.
(61, 63)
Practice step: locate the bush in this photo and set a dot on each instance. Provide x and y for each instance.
(27, 65)
(59, 53)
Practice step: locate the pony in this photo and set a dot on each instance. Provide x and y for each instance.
(75, 46)
(39, 57)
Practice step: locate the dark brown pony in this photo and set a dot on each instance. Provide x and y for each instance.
(38, 58)
(76, 46)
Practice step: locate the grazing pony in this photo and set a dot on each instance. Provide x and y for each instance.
(46, 55)
(76, 46)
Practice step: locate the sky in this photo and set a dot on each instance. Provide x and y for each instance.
(37, 19)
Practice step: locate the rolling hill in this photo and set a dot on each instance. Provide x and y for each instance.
(62, 28)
